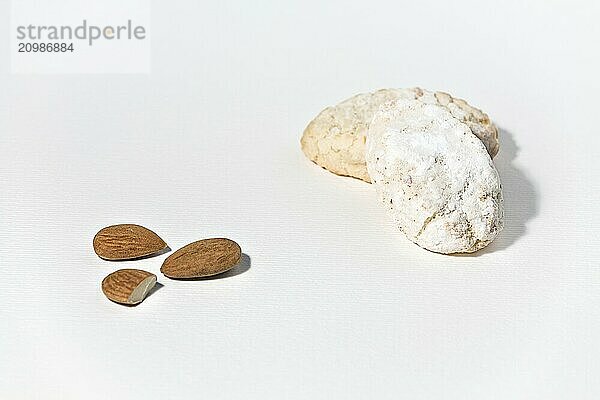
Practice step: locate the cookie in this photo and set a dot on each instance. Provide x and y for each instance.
(435, 177)
(336, 138)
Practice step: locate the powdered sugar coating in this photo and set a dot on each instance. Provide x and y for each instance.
(435, 177)
(336, 138)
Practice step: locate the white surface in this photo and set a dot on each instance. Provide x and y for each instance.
(336, 303)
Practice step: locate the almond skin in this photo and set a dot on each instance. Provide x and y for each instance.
(128, 286)
(202, 258)
(127, 242)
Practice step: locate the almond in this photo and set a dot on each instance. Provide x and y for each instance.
(202, 258)
(126, 242)
(128, 286)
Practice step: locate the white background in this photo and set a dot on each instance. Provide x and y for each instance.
(334, 303)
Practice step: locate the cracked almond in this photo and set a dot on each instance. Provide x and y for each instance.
(128, 286)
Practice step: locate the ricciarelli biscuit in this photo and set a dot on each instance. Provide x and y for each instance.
(336, 138)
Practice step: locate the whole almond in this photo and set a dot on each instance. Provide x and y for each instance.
(128, 286)
(202, 258)
(126, 242)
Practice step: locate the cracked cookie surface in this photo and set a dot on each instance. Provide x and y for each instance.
(336, 138)
(434, 176)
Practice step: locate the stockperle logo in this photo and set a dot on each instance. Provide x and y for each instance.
(85, 32)
(75, 36)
